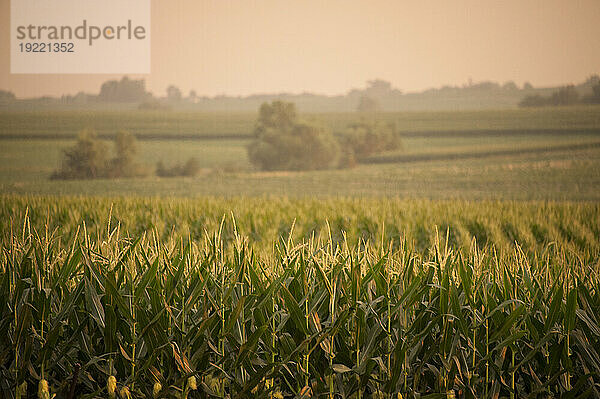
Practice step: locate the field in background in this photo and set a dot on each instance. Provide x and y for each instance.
(548, 153)
(550, 172)
(156, 124)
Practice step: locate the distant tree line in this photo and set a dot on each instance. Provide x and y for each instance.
(378, 95)
(567, 95)
(7, 96)
(88, 159)
(124, 90)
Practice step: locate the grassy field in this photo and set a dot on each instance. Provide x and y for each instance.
(60, 124)
(491, 159)
(549, 174)
(377, 302)
(16, 155)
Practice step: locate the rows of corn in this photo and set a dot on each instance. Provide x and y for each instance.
(534, 225)
(100, 312)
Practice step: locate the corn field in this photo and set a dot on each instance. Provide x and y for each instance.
(94, 310)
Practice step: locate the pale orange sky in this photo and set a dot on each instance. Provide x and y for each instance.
(330, 46)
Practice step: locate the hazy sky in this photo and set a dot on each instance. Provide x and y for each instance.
(329, 46)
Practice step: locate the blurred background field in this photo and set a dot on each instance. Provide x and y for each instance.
(167, 124)
(543, 153)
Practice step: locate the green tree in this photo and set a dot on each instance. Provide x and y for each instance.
(124, 90)
(364, 139)
(283, 143)
(123, 164)
(277, 115)
(189, 169)
(510, 86)
(85, 160)
(174, 94)
(566, 95)
(594, 98)
(88, 158)
(7, 96)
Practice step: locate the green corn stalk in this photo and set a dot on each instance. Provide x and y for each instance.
(559, 286)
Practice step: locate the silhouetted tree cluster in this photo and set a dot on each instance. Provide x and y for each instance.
(124, 164)
(7, 96)
(593, 98)
(380, 88)
(174, 94)
(282, 142)
(510, 86)
(566, 95)
(190, 168)
(124, 90)
(88, 158)
(364, 139)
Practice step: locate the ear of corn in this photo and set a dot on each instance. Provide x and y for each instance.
(43, 391)
(156, 389)
(315, 317)
(111, 386)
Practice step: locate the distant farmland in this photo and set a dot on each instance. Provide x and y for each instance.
(532, 154)
(190, 125)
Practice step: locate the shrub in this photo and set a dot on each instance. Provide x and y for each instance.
(364, 139)
(123, 164)
(87, 159)
(283, 143)
(190, 168)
